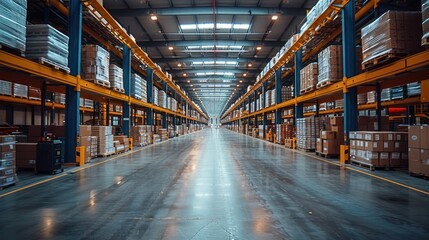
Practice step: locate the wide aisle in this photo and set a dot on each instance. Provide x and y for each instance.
(215, 184)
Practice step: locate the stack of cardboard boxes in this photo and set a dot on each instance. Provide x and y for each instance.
(105, 140)
(309, 75)
(330, 65)
(116, 78)
(418, 151)
(163, 133)
(370, 123)
(85, 140)
(7, 161)
(95, 64)
(307, 130)
(379, 149)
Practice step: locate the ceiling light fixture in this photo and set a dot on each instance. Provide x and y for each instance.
(249, 65)
(275, 17)
(258, 48)
(184, 74)
(170, 48)
(189, 81)
(241, 81)
(154, 17)
(179, 65)
(244, 74)
(238, 85)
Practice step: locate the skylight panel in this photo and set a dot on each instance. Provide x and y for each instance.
(188, 26)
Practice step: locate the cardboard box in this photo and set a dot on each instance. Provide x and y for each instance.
(7, 155)
(414, 136)
(400, 146)
(7, 163)
(415, 166)
(319, 145)
(374, 146)
(7, 138)
(388, 146)
(424, 156)
(330, 135)
(336, 121)
(7, 147)
(85, 130)
(388, 136)
(374, 136)
(424, 136)
(401, 136)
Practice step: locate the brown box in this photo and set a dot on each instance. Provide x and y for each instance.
(424, 136)
(5, 147)
(414, 162)
(7, 138)
(336, 121)
(384, 159)
(400, 146)
(7, 155)
(388, 136)
(401, 136)
(353, 144)
(374, 136)
(319, 145)
(330, 147)
(414, 136)
(388, 146)
(424, 156)
(374, 146)
(7, 163)
(330, 135)
(7, 171)
(85, 130)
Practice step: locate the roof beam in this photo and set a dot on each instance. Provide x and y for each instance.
(237, 71)
(192, 59)
(186, 43)
(186, 11)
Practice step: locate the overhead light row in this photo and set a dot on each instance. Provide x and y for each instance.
(211, 26)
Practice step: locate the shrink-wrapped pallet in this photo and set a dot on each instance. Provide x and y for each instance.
(105, 139)
(7, 161)
(13, 21)
(425, 22)
(20, 90)
(136, 86)
(309, 77)
(116, 78)
(330, 66)
(95, 64)
(5, 88)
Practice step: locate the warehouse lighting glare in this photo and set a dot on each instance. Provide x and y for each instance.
(211, 26)
(179, 64)
(238, 85)
(215, 73)
(275, 17)
(249, 65)
(241, 81)
(154, 17)
(213, 63)
(258, 48)
(184, 74)
(170, 48)
(244, 74)
(189, 81)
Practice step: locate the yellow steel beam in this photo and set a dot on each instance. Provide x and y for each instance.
(425, 91)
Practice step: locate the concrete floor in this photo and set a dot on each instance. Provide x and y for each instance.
(215, 184)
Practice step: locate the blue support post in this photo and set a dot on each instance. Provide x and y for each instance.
(298, 112)
(126, 75)
(254, 107)
(72, 94)
(278, 91)
(164, 115)
(349, 68)
(264, 120)
(149, 80)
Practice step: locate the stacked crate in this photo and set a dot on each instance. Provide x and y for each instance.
(163, 134)
(286, 132)
(307, 130)
(139, 133)
(425, 22)
(7, 161)
(136, 86)
(13, 23)
(20, 90)
(45, 43)
(105, 140)
(328, 144)
(116, 78)
(390, 36)
(95, 64)
(309, 76)
(287, 93)
(5, 88)
(162, 99)
(379, 149)
(418, 151)
(330, 66)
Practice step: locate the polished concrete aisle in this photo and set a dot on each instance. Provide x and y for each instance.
(215, 184)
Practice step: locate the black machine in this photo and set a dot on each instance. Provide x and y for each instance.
(49, 155)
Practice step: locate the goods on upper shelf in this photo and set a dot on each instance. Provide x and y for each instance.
(390, 36)
(7, 160)
(418, 151)
(116, 78)
(330, 66)
(13, 21)
(379, 149)
(34, 93)
(287, 93)
(318, 9)
(309, 76)
(425, 22)
(47, 44)
(95, 64)
(162, 99)
(5, 88)
(20, 90)
(155, 96)
(136, 86)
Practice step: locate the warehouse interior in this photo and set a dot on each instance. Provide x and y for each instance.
(184, 119)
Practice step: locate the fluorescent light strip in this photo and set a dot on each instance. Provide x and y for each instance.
(211, 26)
(213, 63)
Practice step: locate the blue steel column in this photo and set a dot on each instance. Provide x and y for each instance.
(126, 75)
(149, 80)
(278, 90)
(298, 112)
(264, 120)
(72, 94)
(164, 115)
(349, 63)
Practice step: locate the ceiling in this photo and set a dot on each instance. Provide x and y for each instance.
(213, 63)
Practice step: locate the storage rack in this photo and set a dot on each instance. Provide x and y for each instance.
(318, 35)
(107, 32)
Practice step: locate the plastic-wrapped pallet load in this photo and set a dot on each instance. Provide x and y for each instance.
(7, 161)
(307, 130)
(60, 98)
(390, 36)
(155, 96)
(287, 93)
(371, 96)
(425, 22)
(20, 90)
(136, 86)
(105, 139)
(95, 64)
(88, 103)
(144, 90)
(398, 92)
(5, 88)
(361, 98)
(330, 66)
(162, 99)
(413, 89)
(168, 105)
(273, 97)
(13, 21)
(47, 44)
(309, 78)
(116, 78)
(385, 94)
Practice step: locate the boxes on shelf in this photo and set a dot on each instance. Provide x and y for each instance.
(116, 78)
(309, 76)
(370, 123)
(362, 98)
(47, 44)
(105, 139)
(123, 140)
(413, 89)
(20, 90)
(155, 96)
(136, 87)
(13, 24)
(5, 88)
(162, 99)
(330, 66)
(425, 22)
(86, 142)
(307, 130)
(88, 103)
(371, 97)
(7, 160)
(390, 36)
(34, 93)
(95, 65)
(60, 98)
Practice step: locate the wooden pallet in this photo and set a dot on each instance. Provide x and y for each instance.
(368, 166)
(23, 97)
(327, 155)
(325, 83)
(385, 58)
(102, 83)
(34, 98)
(306, 150)
(118, 89)
(418, 175)
(309, 89)
(2, 94)
(106, 154)
(47, 62)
